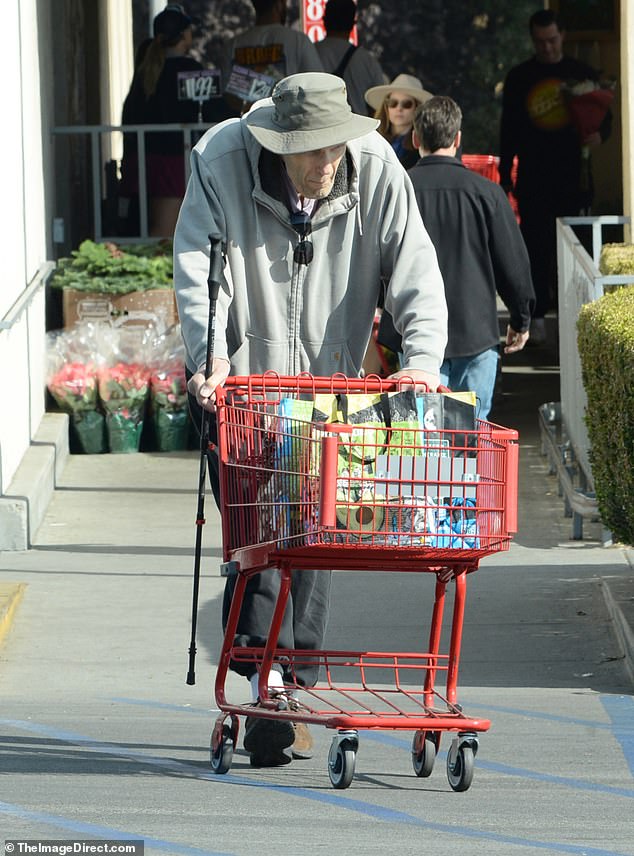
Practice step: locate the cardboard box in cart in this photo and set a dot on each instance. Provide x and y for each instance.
(138, 307)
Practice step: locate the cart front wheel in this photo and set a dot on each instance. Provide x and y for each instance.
(460, 771)
(222, 755)
(424, 748)
(341, 766)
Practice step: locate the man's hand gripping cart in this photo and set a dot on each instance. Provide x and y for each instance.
(300, 491)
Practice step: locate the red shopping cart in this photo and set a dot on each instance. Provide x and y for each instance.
(301, 490)
(488, 166)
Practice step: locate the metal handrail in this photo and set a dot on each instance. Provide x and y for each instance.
(27, 296)
(579, 282)
(95, 133)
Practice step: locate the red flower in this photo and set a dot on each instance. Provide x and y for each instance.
(74, 386)
(169, 387)
(124, 385)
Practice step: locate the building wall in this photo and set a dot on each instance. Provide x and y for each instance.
(23, 237)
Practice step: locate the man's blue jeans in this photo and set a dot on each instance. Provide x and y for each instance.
(477, 373)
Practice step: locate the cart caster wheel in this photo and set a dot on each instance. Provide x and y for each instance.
(424, 749)
(460, 769)
(222, 755)
(341, 758)
(341, 766)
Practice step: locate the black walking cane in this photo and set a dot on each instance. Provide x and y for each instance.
(213, 283)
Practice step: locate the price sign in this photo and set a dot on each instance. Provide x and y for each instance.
(313, 21)
(249, 85)
(198, 85)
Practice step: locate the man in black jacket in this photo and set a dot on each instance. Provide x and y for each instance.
(480, 251)
(554, 177)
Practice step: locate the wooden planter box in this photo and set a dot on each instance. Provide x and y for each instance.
(139, 307)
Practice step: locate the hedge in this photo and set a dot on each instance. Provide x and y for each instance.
(617, 260)
(606, 348)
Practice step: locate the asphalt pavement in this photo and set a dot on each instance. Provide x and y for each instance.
(101, 738)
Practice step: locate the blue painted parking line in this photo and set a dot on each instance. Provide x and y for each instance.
(507, 770)
(162, 705)
(620, 709)
(338, 800)
(78, 828)
(537, 714)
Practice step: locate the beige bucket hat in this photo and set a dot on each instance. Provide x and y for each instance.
(403, 83)
(306, 112)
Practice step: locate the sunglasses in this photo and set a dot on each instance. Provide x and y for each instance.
(394, 102)
(303, 252)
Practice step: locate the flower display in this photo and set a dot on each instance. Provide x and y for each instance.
(124, 385)
(72, 382)
(168, 392)
(74, 386)
(169, 407)
(123, 389)
(169, 387)
(110, 377)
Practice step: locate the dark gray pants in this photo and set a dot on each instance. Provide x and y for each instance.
(306, 615)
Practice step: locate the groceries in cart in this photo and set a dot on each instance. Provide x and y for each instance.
(406, 470)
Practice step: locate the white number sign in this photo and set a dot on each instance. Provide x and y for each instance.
(198, 85)
(313, 20)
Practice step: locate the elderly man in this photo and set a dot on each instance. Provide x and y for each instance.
(314, 210)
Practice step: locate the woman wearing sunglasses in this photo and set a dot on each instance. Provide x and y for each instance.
(394, 106)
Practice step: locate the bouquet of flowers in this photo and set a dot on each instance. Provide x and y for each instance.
(588, 103)
(72, 382)
(168, 392)
(124, 383)
(74, 387)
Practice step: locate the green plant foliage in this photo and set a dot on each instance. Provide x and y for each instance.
(107, 268)
(606, 348)
(617, 260)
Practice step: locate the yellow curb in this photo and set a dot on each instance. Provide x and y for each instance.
(10, 596)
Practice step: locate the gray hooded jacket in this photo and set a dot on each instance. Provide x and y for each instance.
(276, 314)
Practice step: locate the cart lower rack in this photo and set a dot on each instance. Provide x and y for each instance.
(359, 475)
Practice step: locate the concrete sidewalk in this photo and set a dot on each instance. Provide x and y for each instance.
(110, 507)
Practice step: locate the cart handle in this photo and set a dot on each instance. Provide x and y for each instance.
(305, 382)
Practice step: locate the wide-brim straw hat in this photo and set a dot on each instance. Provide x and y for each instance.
(306, 112)
(406, 83)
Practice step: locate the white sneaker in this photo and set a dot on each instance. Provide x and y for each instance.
(537, 331)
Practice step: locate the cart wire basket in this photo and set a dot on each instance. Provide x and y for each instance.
(359, 475)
